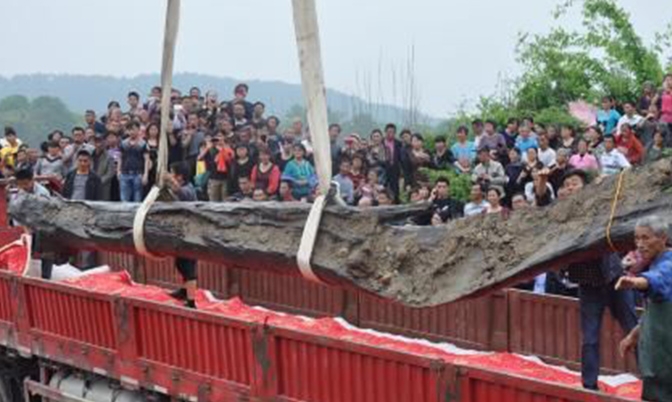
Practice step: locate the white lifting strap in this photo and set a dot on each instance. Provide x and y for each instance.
(169, 41)
(312, 78)
(308, 239)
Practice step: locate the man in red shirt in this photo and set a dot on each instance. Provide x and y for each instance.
(629, 145)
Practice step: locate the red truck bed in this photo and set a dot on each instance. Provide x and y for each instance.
(239, 357)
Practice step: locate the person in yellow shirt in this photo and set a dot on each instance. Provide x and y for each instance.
(9, 150)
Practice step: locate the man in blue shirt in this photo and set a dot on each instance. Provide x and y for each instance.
(654, 333)
(526, 139)
(463, 149)
(608, 117)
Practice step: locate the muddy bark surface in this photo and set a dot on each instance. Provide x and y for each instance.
(370, 249)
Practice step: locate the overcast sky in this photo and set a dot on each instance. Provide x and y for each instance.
(461, 47)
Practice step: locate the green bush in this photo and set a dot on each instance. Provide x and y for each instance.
(557, 116)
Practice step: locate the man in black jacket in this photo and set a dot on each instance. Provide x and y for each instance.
(82, 183)
(394, 150)
(597, 278)
(104, 167)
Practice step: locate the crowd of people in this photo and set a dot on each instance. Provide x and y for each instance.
(232, 151)
(235, 152)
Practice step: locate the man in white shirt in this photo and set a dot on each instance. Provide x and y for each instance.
(478, 203)
(546, 154)
(478, 129)
(612, 161)
(630, 117)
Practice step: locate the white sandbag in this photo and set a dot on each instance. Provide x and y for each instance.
(63, 272)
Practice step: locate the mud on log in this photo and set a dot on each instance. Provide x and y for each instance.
(368, 249)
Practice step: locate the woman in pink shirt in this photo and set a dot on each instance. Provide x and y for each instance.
(664, 101)
(583, 160)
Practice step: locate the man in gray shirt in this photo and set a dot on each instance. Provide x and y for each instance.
(78, 144)
(191, 139)
(51, 164)
(344, 181)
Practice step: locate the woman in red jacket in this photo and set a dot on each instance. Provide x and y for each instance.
(266, 174)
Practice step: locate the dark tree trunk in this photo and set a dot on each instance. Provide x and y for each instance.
(368, 248)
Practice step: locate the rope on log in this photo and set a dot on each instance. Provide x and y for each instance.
(312, 78)
(169, 41)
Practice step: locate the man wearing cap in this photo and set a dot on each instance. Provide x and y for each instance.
(103, 166)
(489, 172)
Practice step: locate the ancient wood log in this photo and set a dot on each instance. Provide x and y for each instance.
(368, 249)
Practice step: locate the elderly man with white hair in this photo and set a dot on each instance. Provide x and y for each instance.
(654, 333)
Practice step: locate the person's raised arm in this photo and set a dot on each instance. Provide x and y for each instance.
(540, 186)
(148, 167)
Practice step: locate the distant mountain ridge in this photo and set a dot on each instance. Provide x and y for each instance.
(81, 92)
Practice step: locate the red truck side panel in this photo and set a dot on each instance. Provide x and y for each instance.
(71, 314)
(549, 327)
(513, 320)
(477, 385)
(477, 323)
(6, 310)
(316, 372)
(195, 354)
(202, 345)
(289, 293)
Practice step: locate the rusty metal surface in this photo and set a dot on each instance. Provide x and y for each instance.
(118, 261)
(288, 293)
(477, 323)
(158, 272)
(550, 327)
(33, 388)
